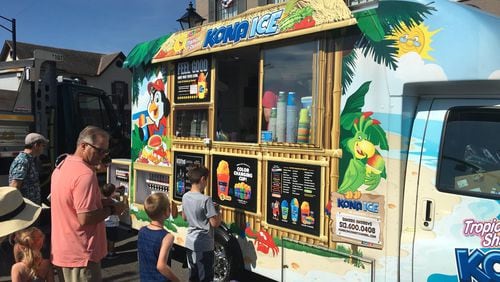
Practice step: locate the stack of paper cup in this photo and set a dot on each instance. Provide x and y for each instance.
(291, 119)
(281, 116)
(272, 123)
(303, 129)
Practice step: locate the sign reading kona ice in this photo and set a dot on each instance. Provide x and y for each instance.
(264, 25)
(258, 25)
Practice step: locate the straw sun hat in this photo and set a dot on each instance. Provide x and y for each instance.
(16, 212)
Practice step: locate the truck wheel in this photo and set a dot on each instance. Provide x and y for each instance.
(228, 259)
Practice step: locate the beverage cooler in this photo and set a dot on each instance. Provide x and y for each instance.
(150, 179)
(119, 174)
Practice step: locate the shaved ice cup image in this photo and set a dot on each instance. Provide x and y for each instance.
(284, 210)
(294, 206)
(223, 179)
(304, 212)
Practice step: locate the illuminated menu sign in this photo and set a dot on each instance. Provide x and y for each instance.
(234, 182)
(293, 196)
(182, 163)
(192, 80)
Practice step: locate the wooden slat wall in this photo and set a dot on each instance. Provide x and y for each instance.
(328, 113)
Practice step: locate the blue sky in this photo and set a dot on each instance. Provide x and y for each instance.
(102, 26)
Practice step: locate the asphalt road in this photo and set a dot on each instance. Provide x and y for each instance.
(124, 268)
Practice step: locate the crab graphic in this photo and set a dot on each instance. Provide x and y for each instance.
(263, 241)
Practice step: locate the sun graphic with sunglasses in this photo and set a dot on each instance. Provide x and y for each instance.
(416, 38)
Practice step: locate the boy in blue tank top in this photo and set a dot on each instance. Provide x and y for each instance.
(154, 242)
(198, 209)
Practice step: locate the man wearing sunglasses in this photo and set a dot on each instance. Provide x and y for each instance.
(78, 213)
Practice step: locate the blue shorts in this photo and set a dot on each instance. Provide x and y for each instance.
(201, 265)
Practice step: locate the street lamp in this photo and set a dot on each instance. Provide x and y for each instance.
(190, 18)
(13, 31)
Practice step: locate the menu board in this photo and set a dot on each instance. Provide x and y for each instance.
(182, 163)
(293, 195)
(234, 182)
(192, 80)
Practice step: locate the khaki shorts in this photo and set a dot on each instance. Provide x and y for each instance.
(91, 273)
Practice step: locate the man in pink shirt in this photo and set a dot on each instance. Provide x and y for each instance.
(78, 213)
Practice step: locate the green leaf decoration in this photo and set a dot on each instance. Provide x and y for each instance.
(356, 101)
(137, 144)
(143, 52)
(384, 52)
(393, 13)
(140, 72)
(369, 24)
(347, 120)
(170, 226)
(377, 136)
(348, 67)
(290, 6)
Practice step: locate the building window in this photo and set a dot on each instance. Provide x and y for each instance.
(275, 1)
(225, 9)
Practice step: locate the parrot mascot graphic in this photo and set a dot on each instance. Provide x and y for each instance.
(361, 163)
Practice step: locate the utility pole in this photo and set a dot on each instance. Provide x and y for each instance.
(13, 31)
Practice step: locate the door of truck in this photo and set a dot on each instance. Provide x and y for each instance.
(457, 218)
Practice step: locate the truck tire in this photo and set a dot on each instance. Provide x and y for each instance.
(228, 263)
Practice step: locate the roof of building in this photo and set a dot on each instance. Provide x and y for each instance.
(75, 62)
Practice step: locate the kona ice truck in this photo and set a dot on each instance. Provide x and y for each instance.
(343, 144)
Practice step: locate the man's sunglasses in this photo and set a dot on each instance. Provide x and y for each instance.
(99, 150)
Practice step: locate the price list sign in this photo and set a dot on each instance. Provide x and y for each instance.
(192, 83)
(182, 163)
(294, 196)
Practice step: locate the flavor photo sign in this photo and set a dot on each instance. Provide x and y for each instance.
(192, 81)
(182, 163)
(293, 196)
(234, 182)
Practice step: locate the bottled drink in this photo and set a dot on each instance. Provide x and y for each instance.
(198, 125)
(204, 127)
(193, 126)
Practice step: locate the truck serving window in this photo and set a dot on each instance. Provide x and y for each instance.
(289, 93)
(469, 161)
(237, 89)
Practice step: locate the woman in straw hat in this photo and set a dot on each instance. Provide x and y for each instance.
(16, 212)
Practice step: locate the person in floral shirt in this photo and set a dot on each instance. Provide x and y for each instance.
(23, 173)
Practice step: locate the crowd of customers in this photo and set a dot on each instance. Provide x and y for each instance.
(85, 218)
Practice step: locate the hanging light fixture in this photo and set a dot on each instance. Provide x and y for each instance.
(190, 18)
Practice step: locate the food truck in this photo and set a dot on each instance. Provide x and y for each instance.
(344, 143)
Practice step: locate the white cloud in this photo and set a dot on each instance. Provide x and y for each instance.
(412, 68)
(495, 75)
